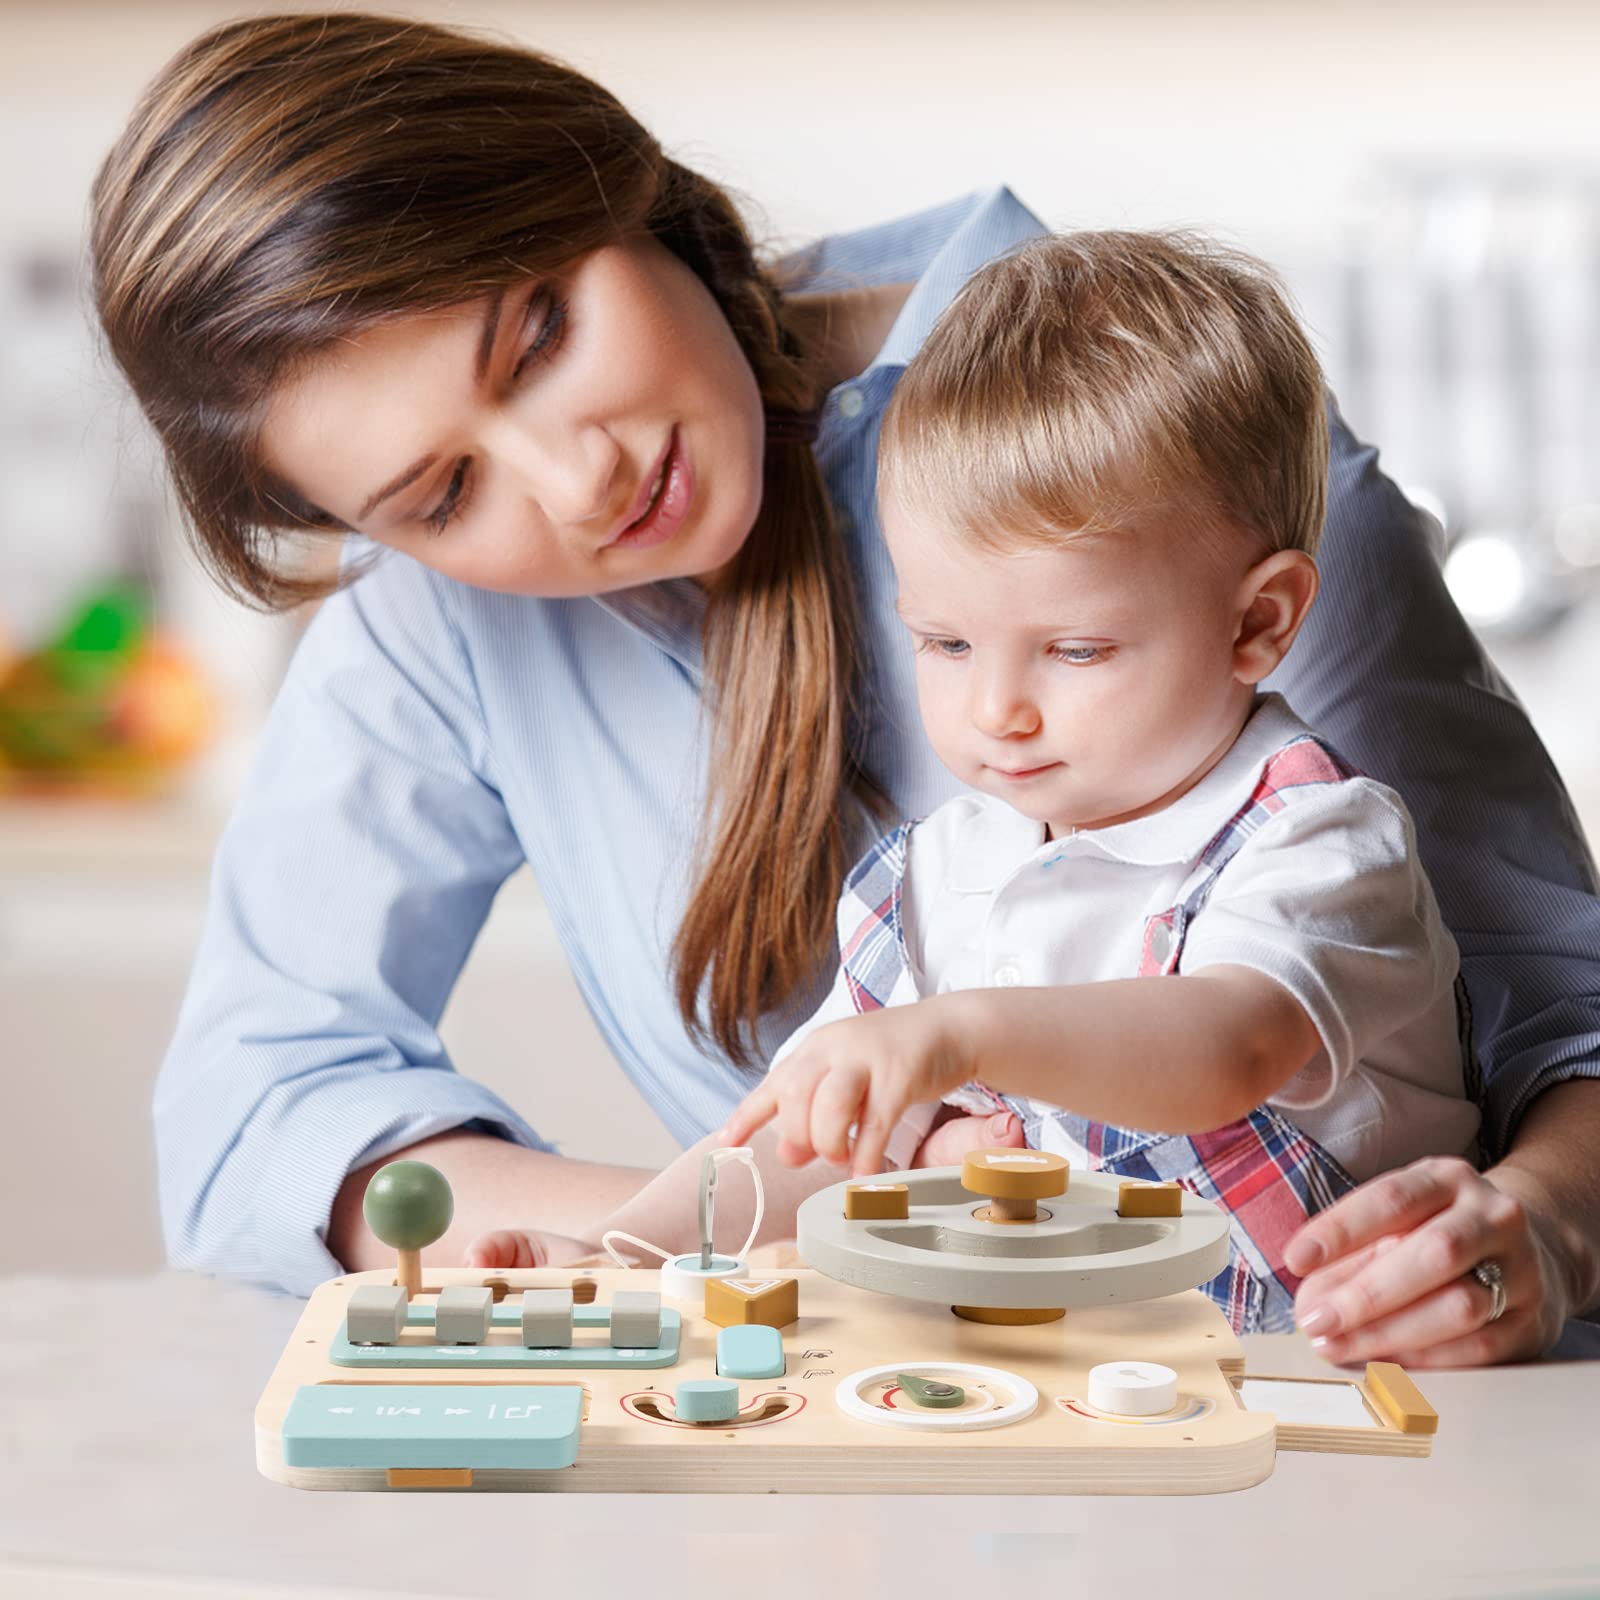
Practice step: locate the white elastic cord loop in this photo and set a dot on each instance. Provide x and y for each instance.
(644, 1244)
(746, 1157)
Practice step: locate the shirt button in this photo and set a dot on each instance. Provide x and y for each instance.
(851, 403)
(1008, 976)
(1161, 942)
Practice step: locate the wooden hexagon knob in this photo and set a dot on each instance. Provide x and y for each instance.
(1014, 1180)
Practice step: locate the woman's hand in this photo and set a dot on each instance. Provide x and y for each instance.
(863, 1071)
(1387, 1269)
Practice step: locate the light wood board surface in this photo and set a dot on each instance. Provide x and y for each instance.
(127, 1462)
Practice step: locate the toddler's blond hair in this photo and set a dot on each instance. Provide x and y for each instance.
(1098, 381)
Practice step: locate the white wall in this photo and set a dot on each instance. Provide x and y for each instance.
(1249, 114)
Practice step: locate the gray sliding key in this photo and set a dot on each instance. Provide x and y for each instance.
(635, 1319)
(547, 1319)
(462, 1315)
(376, 1314)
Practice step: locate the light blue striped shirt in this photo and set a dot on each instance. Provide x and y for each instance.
(430, 738)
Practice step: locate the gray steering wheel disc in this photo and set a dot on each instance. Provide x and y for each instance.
(1079, 1252)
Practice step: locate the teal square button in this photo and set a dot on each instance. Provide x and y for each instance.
(749, 1350)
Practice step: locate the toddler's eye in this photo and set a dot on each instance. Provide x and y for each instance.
(946, 647)
(1079, 655)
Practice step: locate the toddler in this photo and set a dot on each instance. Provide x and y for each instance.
(1101, 481)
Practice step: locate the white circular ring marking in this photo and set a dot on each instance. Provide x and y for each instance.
(848, 1398)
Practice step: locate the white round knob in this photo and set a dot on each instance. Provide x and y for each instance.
(1133, 1388)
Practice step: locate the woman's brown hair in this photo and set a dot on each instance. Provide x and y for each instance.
(287, 181)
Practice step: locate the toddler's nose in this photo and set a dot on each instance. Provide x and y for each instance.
(1002, 711)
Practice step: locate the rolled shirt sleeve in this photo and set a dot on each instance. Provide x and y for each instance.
(347, 891)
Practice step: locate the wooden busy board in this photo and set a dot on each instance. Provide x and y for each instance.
(812, 1430)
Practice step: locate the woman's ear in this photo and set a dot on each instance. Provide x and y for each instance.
(1274, 597)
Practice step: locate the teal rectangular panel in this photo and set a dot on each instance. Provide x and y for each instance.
(580, 1356)
(433, 1425)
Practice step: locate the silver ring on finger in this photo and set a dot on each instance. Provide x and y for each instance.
(1488, 1273)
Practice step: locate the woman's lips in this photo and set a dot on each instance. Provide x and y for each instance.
(658, 522)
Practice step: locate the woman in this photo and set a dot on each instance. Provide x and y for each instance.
(613, 613)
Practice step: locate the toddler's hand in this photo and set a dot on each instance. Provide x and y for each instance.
(948, 1143)
(864, 1072)
(508, 1247)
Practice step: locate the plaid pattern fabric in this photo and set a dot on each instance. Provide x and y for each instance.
(872, 940)
(1262, 1170)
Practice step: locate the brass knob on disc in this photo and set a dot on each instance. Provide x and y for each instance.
(1014, 1180)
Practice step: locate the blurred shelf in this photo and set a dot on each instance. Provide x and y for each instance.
(81, 834)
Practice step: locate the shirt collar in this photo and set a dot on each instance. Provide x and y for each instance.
(1000, 839)
(992, 222)
(936, 250)
(668, 612)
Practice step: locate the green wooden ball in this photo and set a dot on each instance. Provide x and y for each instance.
(408, 1204)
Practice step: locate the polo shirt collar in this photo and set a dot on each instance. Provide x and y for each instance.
(1001, 839)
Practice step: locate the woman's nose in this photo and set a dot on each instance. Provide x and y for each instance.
(576, 477)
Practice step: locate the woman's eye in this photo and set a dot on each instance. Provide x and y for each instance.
(449, 508)
(552, 324)
(1079, 655)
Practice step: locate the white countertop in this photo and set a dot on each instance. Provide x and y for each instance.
(127, 1470)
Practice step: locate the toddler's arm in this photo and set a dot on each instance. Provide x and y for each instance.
(1175, 1055)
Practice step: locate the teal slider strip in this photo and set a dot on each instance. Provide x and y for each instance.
(578, 1357)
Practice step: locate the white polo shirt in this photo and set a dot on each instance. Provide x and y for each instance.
(1326, 896)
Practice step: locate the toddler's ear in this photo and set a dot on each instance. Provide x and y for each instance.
(1274, 597)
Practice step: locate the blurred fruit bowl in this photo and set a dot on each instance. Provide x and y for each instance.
(127, 730)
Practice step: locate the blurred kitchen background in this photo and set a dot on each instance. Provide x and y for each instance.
(1427, 176)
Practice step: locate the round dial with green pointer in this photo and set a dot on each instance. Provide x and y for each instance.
(930, 1392)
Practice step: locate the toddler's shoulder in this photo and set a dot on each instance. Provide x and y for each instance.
(1305, 782)
(1352, 822)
